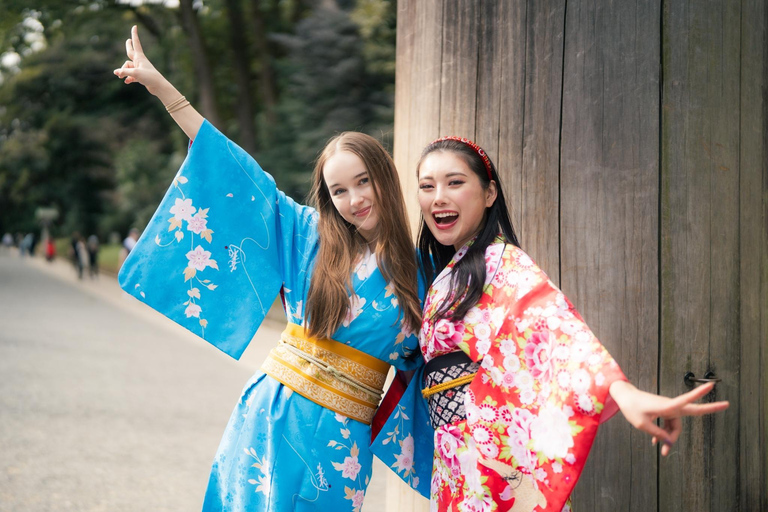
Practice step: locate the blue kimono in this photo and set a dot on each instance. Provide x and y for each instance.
(222, 244)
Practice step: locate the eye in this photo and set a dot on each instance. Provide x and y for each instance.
(338, 191)
(456, 182)
(425, 186)
(364, 181)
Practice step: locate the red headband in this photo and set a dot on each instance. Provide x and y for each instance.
(475, 147)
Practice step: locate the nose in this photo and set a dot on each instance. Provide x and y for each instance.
(355, 199)
(439, 198)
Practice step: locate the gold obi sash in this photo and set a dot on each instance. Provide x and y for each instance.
(332, 374)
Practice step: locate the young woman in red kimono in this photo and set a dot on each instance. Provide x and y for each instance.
(516, 382)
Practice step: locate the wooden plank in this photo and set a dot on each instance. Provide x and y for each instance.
(458, 94)
(510, 73)
(540, 152)
(492, 32)
(609, 221)
(753, 231)
(404, 50)
(700, 245)
(421, 93)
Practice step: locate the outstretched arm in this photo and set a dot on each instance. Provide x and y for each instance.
(641, 410)
(139, 69)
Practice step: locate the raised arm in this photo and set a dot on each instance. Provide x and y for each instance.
(139, 69)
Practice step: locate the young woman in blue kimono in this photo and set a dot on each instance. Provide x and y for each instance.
(224, 242)
(515, 382)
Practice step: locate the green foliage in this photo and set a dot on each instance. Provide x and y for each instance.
(74, 137)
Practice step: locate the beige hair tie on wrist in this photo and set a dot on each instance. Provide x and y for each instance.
(177, 105)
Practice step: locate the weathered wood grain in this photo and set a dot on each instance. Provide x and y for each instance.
(609, 221)
(700, 244)
(458, 95)
(539, 147)
(753, 257)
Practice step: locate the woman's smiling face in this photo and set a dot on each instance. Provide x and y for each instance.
(452, 198)
(351, 191)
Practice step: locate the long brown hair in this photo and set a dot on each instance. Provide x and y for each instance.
(340, 243)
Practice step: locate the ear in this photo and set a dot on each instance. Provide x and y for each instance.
(490, 194)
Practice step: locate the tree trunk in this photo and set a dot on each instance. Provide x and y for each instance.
(267, 75)
(244, 105)
(203, 74)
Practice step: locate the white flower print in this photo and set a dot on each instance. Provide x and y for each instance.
(512, 363)
(483, 346)
(366, 265)
(580, 381)
(356, 304)
(600, 379)
(183, 209)
(585, 404)
(551, 433)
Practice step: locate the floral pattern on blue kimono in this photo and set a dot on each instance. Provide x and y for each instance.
(222, 244)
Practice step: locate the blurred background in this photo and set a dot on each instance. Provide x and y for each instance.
(81, 152)
(104, 404)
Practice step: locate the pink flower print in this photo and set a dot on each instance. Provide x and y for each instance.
(447, 334)
(538, 355)
(183, 209)
(200, 258)
(404, 461)
(508, 379)
(448, 440)
(197, 224)
(350, 468)
(193, 310)
(357, 499)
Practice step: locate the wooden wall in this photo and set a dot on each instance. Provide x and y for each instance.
(631, 139)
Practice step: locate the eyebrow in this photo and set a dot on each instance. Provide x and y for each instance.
(449, 175)
(354, 178)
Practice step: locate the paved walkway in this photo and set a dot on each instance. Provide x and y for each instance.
(104, 404)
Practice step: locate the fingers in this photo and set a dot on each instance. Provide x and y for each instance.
(702, 409)
(135, 39)
(126, 72)
(691, 396)
(657, 432)
(129, 49)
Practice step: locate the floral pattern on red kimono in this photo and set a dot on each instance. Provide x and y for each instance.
(535, 404)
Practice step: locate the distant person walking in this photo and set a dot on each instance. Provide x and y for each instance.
(93, 255)
(128, 244)
(50, 249)
(79, 253)
(7, 243)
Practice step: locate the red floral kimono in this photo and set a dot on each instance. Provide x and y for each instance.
(535, 404)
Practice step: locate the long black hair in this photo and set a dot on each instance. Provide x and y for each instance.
(468, 275)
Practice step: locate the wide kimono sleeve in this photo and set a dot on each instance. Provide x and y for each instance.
(534, 408)
(402, 435)
(220, 246)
